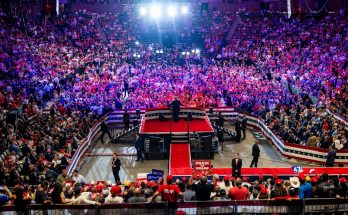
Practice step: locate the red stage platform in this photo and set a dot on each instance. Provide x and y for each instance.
(155, 126)
(150, 123)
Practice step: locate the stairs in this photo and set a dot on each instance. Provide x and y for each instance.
(179, 138)
(125, 133)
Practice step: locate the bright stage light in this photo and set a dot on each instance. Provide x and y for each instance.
(171, 11)
(193, 51)
(197, 51)
(137, 43)
(187, 53)
(143, 11)
(183, 53)
(184, 10)
(155, 11)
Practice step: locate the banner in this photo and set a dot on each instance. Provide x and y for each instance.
(202, 166)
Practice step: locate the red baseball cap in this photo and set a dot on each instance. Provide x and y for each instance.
(245, 179)
(169, 178)
(226, 178)
(279, 181)
(264, 191)
(343, 180)
(184, 179)
(100, 188)
(314, 179)
(302, 177)
(115, 189)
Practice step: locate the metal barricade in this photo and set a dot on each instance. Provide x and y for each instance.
(298, 207)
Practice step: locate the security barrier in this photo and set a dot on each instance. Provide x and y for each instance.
(298, 207)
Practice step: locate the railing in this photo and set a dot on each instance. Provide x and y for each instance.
(307, 206)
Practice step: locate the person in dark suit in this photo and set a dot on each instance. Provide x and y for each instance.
(331, 156)
(238, 130)
(220, 120)
(236, 166)
(244, 125)
(139, 148)
(126, 120)
(116, 166)
(255, 153)
(176, 109)
(105, 130)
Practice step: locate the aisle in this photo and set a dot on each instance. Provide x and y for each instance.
(180, 159)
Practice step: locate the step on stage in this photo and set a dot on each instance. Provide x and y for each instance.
(159, 131)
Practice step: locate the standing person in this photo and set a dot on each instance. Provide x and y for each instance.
(105, 130)
(331, 156)
(126, 120)
(203, 189)
(255, 154)
(78, 178)
(244, 125)
(116, 166)
(220, 120)
(236, 166)
(238, 130)
(139, 148)
(176, 109)
(239, 192)
(169, 192)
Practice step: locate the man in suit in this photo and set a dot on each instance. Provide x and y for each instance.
(238, 130)
(244, 125)
(331, 156)
(236, 166)
(255, 153)
(139, 148)
(126, 120)
(116, 166)
(176, 109)
(220, 120)
(105, 130)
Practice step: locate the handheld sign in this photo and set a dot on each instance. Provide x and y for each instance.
(297, 169)
(202, 166)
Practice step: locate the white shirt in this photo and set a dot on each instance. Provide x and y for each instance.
(113, 200)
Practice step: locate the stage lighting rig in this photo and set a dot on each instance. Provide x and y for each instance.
(171, 11)
(143, 11)
(155, 11)
(184, 10)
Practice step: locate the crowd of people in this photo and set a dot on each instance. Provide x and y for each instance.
(196, 188)
(81, 65)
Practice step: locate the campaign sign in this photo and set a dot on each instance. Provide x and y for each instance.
(297, 169)
(152, 177)
(202, 165)
(157, 172)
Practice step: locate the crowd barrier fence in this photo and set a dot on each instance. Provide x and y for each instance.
(298, 207)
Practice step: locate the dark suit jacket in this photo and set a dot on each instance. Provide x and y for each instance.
(331, 156)
(236, 166)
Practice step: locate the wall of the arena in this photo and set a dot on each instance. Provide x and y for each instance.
(306, 153)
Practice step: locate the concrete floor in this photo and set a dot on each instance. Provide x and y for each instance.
(99, 167)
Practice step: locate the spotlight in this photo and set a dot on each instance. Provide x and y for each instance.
(183, 53)
(197, 51)
(157, 51)
(184, 10)
(161, 51)
(143, 11)
(171, 11)
(155, 11)
(193, 51)
(134, 55)
(138, 55)
(137, 43)
(187, 53)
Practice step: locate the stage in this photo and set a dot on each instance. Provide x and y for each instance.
(151, 124)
